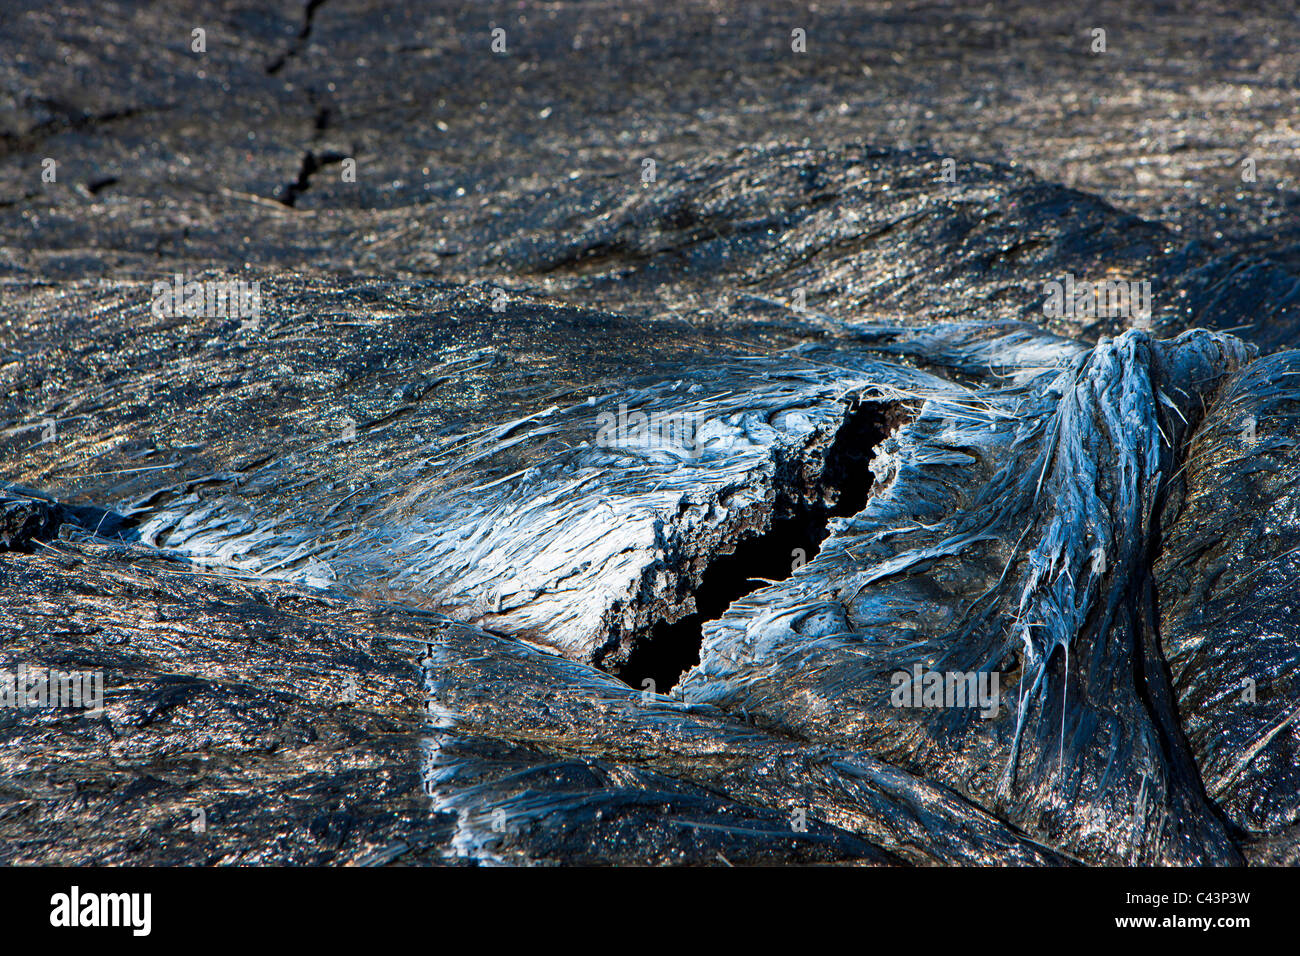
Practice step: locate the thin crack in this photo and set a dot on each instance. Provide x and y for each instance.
(311, 164)
(276, 65)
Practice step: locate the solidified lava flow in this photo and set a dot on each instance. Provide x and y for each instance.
(598, 435)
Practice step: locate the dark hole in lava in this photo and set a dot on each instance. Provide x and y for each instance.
(798, 523)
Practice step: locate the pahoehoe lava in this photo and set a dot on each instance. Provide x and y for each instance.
(366, 585)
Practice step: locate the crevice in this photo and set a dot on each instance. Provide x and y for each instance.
(817, 485)
(311, 164)
(276, 65)
(29, 518)
(98, 185)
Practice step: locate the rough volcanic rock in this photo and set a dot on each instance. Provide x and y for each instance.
(391, 571)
